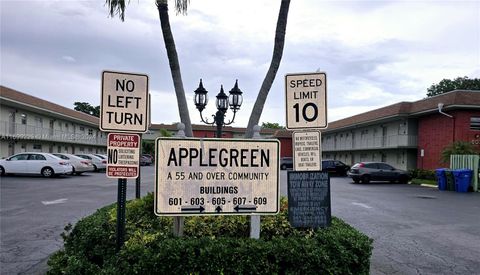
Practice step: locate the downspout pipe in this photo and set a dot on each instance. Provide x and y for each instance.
(440, 107)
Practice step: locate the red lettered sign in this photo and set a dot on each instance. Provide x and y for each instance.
(123, 151)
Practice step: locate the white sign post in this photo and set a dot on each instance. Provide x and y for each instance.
(216, 177)
(306, 101)
(124, 102)
(307, 153)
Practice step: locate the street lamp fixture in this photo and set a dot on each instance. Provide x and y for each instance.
(223, 102)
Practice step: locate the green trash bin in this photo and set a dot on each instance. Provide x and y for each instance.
(450, 180)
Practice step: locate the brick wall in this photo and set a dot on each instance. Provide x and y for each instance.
(436, 131)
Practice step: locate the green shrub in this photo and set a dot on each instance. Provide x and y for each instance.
(212, 245)
(422, 174)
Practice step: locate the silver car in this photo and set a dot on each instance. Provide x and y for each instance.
(97, 162)
(377, 171)
(80, 165)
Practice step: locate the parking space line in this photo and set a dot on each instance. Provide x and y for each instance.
(55, 201)
(362, 205)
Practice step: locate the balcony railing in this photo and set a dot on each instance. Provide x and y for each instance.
(394, 141)
(28, 132)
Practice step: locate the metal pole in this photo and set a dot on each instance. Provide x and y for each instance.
(255, 219)
(138, 179)
(121, 205)
(178, 221)
(219, 116)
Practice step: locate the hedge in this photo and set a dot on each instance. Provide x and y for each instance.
(211, 245)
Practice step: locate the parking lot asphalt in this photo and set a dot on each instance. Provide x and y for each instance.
(416, 230)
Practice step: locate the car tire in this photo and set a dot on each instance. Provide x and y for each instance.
(356, 180)
(48, 172)
(365, 179)
(95, 169)
(403, 180)
(78, 173)
(73, 171)
(2, 171)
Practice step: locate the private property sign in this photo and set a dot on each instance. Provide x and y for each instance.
(124, 102)
(123, 152)
(216, 177)
(306, 100)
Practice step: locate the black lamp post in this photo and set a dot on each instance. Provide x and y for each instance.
(234, 101)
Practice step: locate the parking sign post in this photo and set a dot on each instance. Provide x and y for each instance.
(124, 108)
(121, 205)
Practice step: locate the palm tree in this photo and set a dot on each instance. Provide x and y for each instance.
(117, 7)
(272, 71)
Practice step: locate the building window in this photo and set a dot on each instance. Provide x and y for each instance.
(23, 147)
(90, 149)
(37, 147)
(475, 123)
(90, 132)
(82, 129)
(24, 119)
(82, 148)
(38, 121)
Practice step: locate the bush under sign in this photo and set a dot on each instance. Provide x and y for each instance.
(309, 203)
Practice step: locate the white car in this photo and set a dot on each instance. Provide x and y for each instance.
(44, 164)
(80, 165)
(97, 162)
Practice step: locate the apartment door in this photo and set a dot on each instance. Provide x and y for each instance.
(11, 148)
(11, 123)
(384, 136)
(52, 124)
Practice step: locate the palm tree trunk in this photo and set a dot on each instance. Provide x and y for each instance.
(272, 71)
(174, 66)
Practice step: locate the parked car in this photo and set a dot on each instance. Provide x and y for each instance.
(101, 156)
(286, 163)
(335, 167)
(80, 165)
(152, 159)
(97, 162)
(44, 164)
(145, 161)
(377, 171)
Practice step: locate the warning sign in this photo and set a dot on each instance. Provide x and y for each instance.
(307, 154)
(123, 155)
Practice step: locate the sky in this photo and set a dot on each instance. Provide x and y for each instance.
(374, 53)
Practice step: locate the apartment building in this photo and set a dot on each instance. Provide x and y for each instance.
(28, 123)
(407, 135)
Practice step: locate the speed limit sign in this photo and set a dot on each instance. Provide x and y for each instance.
(306, 100)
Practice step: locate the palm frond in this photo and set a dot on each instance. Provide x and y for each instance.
(181, 6)
(117, 7)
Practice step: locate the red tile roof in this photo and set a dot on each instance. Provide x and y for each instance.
(16, 96)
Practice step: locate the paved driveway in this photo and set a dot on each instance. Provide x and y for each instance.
(416, 229)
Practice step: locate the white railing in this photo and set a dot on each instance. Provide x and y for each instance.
(393, 141)
(30, 132)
